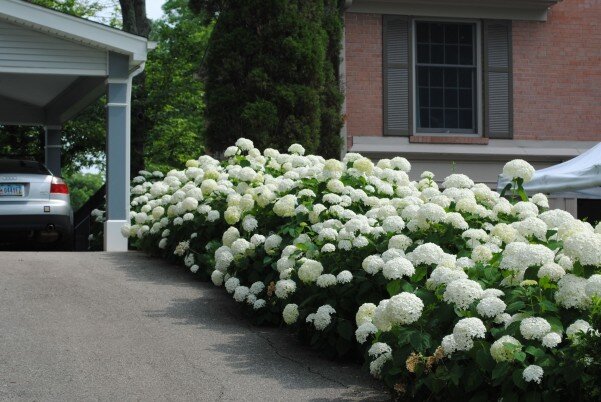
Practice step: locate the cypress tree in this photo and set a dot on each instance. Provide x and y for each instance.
(272, 76)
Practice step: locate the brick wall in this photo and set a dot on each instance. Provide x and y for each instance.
(557, 74)
(363, 81)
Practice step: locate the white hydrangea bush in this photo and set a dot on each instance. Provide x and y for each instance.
(442, 288)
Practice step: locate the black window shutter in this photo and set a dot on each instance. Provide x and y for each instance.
(396, 75)
(498, 80)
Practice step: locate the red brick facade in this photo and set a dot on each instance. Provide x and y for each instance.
(363, 48)
(556, 74)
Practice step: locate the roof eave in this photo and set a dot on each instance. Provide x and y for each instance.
(76, 29)
(532, 10)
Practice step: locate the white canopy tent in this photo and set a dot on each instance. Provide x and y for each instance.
(579, 177)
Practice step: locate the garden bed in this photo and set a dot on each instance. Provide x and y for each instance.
(443, 291)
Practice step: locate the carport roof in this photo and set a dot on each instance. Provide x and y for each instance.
(52, 65)
(76, 29)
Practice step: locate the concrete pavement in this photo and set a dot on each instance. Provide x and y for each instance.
(98, 326)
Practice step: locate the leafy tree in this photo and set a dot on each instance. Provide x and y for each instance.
(79, 8)
(271, 75)
(82, 186)
(175, 92)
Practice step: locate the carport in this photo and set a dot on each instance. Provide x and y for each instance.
(52, 66)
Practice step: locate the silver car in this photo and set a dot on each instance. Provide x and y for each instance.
(34, 205)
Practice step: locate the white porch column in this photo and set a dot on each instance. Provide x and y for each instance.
(117, 152)
(52, 149)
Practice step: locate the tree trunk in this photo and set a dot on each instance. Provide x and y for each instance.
(133, 13)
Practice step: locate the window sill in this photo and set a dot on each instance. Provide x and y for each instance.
(427, 139)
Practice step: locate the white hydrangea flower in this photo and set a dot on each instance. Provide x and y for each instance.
(456, 220)
(404, 308)
(231, 284)
(296, 149)
(430, 253)
(571, 292)
(240, 293)
(593, 286)
(448, 344)
(217, 277)
(290, 313)
(382, 355)
(285, 206)
(584, 247)
(534, 327)
(481, 254)
(400, 242)
(322, 318)
(541, 200)
(503, 318)
(372, 264)
(518, 168)
(398, 267)
(244, 144)
(444, 275)
(259, 304)
(284, 288)
(272, 243)
(466, 330)
(457, 181)
(551, 340)
(364, 331)
(257, 287)
(533, 373)
(551, 270)
(500, 352)
(365, 313)
(577, 327)
(310, 270)
(325, 280)
(249, 223)
(491, 307)
(462, 292)
(344, 277)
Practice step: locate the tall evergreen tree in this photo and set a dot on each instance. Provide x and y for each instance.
(271, 76)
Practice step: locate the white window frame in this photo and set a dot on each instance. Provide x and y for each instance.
(479, 97)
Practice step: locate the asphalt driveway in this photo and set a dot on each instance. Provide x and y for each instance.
(98, 326)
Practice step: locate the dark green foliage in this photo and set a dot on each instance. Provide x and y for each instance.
(589, 354)
(82, 186)
(175, 94)
(271, 76)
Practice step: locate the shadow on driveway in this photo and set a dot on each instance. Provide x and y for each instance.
(271, 354)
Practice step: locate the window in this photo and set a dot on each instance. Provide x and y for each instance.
(446, 77)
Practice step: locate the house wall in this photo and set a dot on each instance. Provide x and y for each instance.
(363, 59)
(24, 50)
(557, 74)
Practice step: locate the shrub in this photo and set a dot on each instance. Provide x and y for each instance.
(272, 72)
(444, 291)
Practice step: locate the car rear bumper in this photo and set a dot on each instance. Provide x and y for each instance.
(22, 223)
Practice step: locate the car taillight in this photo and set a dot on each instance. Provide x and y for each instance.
(58, 186)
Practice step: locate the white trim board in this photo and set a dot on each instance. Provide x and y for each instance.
(531, 150)
(527, 10)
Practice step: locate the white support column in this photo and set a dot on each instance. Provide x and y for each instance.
(117, 152)
(52, 149)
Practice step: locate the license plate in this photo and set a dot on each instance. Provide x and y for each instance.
(11, 190)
